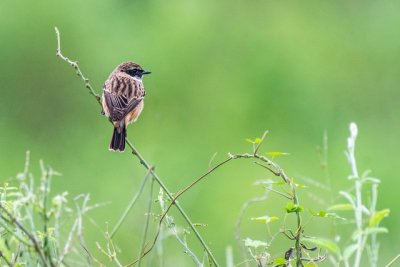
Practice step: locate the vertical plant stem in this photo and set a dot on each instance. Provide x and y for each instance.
(299, 226)
(45, 183)
(374, 248)
(358, 217)
(146, 228)
(358, 183)
(130, 206)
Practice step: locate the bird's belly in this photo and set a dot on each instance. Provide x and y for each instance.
(134, 114)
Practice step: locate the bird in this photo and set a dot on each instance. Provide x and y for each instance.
(123, 100)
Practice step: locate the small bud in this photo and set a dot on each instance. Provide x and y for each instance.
(353, 130)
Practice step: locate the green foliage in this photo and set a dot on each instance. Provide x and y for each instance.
(265, 219)
(255, 243)
(39, 228)
(276, 154)
(222, 70)
(341, 207)
(376, 218)
(290, 207)
(324, 243)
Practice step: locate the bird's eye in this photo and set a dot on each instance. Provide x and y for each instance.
(132, 72)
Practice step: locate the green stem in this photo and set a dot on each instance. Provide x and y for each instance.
(130, 206)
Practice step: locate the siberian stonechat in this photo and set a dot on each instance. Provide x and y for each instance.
(122, 99)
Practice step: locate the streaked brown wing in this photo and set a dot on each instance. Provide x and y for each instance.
(119, 105)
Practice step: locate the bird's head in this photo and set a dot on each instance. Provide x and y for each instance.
(132, 69)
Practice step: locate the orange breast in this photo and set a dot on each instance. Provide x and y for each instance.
(134, 114)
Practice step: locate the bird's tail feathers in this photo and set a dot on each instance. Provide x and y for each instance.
(118, 139)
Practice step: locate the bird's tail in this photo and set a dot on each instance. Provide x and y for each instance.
(118, 139)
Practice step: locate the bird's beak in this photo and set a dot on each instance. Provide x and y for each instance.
(146, 72)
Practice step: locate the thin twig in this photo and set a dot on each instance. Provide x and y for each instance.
(130, 205)
(75, 65)
(260, 143)
(45, 180)
(5, 259)
(238, 235)
(392, 261)
(146, 228)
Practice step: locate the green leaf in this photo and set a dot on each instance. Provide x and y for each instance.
(309, 264)
(378, 216)
(254, 243)
(300, 186)
(4, 250)
(255, 141)
(200, 224)
(290, 207)
(376, 230)
(279, 261)
(324, 243)
(265, 219)
(324, 214)
(276, 154)
(339, 207)
(270, 182)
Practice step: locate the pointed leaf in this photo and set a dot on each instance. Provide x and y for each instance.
(290, 207)
(254, 243)
(339, 207)
(378, 216)
(276, 154)
(376, 230)
(270, 182)
(324, 243)
(5, 251)
(279, 262)
(265, 219)
(324, 214)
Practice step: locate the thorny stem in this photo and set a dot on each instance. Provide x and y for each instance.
(135, 152)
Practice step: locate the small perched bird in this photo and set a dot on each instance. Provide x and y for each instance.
(122, 99)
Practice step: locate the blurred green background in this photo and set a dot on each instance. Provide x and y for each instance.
(223, 71)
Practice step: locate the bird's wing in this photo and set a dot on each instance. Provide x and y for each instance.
(119, 105)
